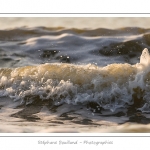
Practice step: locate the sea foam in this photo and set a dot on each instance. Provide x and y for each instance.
(111, 87)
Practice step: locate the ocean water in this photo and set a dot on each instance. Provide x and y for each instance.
(60, 79)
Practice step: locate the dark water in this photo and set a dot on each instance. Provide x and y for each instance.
(78, 75)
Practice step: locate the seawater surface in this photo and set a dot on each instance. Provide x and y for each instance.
(74, 80)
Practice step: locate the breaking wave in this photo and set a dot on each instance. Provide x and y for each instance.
(114, 86)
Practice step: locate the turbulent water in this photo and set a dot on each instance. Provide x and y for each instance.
(74, 77)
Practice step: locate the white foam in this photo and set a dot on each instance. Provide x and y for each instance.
(111, 86)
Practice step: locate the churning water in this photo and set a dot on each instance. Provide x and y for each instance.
(74, 78)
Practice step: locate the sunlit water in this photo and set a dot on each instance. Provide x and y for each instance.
(75, 22)
(74, 80)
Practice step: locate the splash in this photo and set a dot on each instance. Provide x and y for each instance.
(112, 86)
(145, 58)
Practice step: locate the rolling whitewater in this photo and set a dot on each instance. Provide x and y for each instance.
(74, 80)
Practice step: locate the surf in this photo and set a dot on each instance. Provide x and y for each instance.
(112, 86)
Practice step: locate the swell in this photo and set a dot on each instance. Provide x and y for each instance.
(16, 33)
(31, 46)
